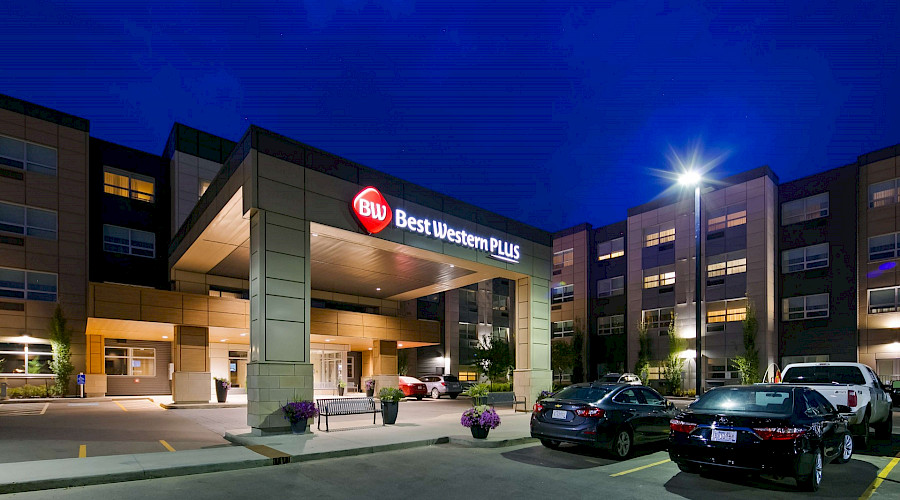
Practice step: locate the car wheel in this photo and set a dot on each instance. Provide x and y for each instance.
(814, 479)
(623, 444)
(419, 398)
(435, 394)
(846, 449)
(884, 429)
(549, 443)
(453, 396)
(862, 431)
(689, 468)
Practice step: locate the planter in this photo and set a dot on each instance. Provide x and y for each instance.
(340, 391)
(479, 432)
(370, 393)
(221, 392)
(300, 426)
(389, 411)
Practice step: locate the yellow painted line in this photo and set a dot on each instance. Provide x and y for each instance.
(166, 445)
(44, 409)
(654, 464)
(879, 479)
(82, 451)
(120, 405)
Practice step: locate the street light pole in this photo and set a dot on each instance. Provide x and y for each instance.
(697, 284)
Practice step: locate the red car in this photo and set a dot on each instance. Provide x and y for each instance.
(413, 387)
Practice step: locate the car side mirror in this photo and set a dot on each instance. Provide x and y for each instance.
(843, 409)
(670, 405)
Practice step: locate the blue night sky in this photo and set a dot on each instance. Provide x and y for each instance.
(553, 113)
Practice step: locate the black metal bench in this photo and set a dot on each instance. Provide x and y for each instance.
(345, 406)
(506, 398)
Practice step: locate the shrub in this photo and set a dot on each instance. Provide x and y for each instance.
(29, 391)
(477, 391)
(480, 416)
(390, 395)
(501, 387)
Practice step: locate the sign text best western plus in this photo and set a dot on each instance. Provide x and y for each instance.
(498, 248)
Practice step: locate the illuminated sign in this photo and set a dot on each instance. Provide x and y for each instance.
(374, 214)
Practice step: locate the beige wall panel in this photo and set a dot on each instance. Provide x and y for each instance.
(42, 198)
(195, 302)
(323, 315)
(349, 318)
(319, 328)
(14, 320)
(195, 317)
(228, 320)
(12, 256)
(13, 118)
(346, 330)
(116, 293)
(374, 320)
(876, 172)
(225, 305)
(41, 262)
(392, 323)
(161, 314)
(12, 191)
(50, 247)
(159, 298)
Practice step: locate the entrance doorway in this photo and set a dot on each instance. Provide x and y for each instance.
(237, 368)
(329, 367)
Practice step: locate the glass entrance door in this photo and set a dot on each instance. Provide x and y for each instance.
(328, 368)
(237, 368)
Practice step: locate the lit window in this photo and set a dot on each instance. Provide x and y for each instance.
(611, 249)
(658, 318)
(560, 329)
(885, 193)
(131, 361)
(560, 294)
(25, 359)
(27, 156)
(730, 216)
(128, 185)
(723, 264)
(802, 259)
(725, 311)
(29, 285)
(884, 246)
(883, 300)
(129, 241)
(611, 325)
(563, 259)
(611, 286)
(659, 276)
(805, 307)
(803, 209)
(29, 221)
(663, 233)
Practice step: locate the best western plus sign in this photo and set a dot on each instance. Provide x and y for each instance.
(372, 210)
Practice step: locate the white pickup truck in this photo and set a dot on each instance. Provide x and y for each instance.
(851, 384)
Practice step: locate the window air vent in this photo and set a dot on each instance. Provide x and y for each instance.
(666, 289)
(558, 271)
(12, 306)
(12, 240)
(12, 174)
(715, 281)
(715, 235)
(666, 246)
(556, 307)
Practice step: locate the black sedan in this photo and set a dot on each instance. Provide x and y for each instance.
(766, 429)
(609, 416)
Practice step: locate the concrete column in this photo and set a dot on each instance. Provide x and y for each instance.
(384, 364)
(532, 324)
(95, 366)
(279, 369)
(191, 380)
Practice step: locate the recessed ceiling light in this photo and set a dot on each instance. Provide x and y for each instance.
(370, 348)
(224, 340)
(165, 336)
(327, 340)
(451, 265)
(315, 234)
(399, 345)
(378, 289)
(243, 335)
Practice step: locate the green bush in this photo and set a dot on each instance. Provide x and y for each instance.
(477, 391)
(391, 395)
(30, 391)
(501, 387)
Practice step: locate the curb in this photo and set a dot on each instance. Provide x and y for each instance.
(471, 442)
(200, 406)
(349, 452)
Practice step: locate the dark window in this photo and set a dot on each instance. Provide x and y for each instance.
(582, 393)
(824, 375)
(746, 399)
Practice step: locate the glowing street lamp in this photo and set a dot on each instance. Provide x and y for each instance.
(693, 178)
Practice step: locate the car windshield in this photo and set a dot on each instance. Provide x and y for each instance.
(744, 399)
(582, 393)
(824, 375)
(450, 378)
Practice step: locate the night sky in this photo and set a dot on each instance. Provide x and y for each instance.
(552, 113)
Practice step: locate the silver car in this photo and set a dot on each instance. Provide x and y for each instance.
(621, 378)
(439, 385)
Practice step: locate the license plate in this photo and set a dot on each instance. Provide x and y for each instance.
(724, 436)
(559, 414)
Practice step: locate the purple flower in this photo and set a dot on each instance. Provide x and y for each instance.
(480, 416)
(296, 411)
(370, 385)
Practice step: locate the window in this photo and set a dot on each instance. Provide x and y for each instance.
(129, 241)
(127, 184)
(563, 259)
(883, 247)
(561, 329)
(659, 276)
(611, 325)
(131, 361)
(27, 156)
(28, 285)
(730, 216)
(658, 318)
(663, 233)
(805, 307)
(803, 209)
(882, 194)
(719, 313)
(883, 300)
(611, 249)
(560, 294)
(25, 359)
(724, 264)
(801, 259)
(29, 221)
(611, 286)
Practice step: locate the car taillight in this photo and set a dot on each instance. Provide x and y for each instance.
(779, 433)
(851, 398)
(589, 412)
(538, 407)
(682, 426)
(443, 384)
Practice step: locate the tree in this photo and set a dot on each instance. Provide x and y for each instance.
(747, 364)
(674, 363)
(562, 357)
(61, 345)
(642, 365)
(493, 359)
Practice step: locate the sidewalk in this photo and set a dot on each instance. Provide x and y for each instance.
(347, 438)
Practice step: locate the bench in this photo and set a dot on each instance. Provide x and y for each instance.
(507, 398)
(345, 406)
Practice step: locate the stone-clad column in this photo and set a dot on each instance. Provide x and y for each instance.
(279, 369)
(384, 364)
(532, 374)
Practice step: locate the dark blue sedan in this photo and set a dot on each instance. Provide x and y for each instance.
(614, 417)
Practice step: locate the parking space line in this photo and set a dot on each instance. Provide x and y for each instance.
(44, 409)
(82, 451)
(166, 445)
(879, 479)
(639, 468)
(120, 405)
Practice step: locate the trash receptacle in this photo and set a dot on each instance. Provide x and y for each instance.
(3, 390)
